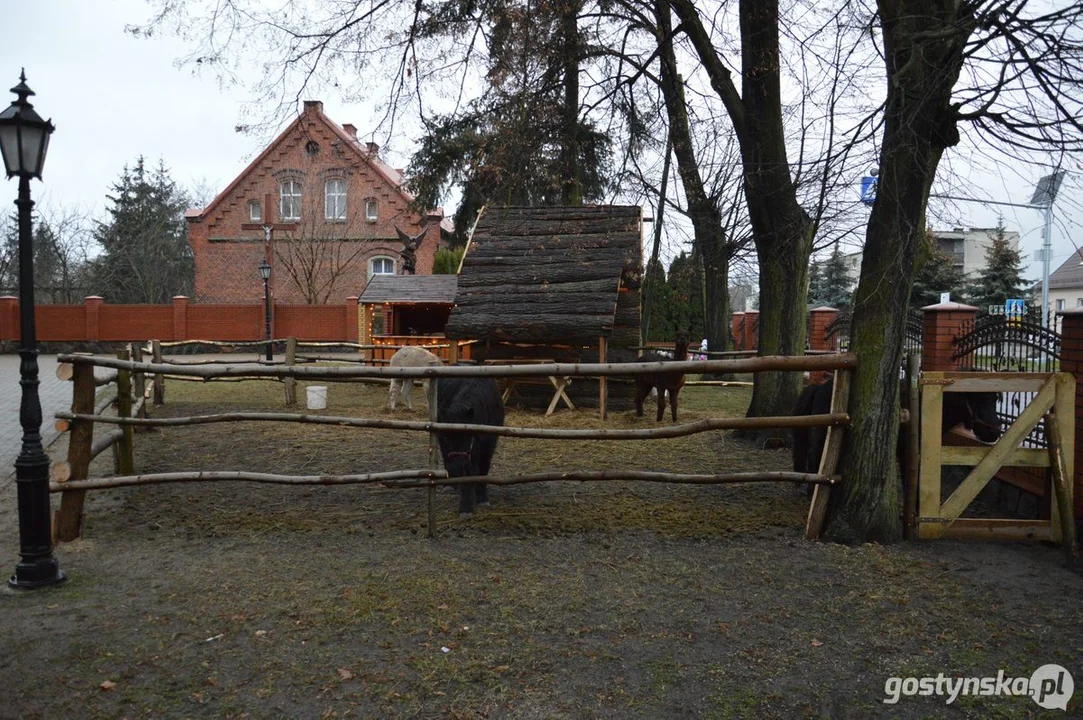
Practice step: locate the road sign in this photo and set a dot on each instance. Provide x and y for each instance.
(945, 297)
(868, 189)
(1015, 307)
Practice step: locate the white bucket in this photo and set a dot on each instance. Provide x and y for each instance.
(317, 397)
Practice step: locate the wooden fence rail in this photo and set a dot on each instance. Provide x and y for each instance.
(74, 483)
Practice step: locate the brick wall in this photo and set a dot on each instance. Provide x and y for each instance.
(313, 259)
(96, 321)
(942, 323)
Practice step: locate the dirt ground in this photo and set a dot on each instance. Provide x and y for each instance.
(563, 600)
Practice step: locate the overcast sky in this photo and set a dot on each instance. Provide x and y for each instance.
(114, 97)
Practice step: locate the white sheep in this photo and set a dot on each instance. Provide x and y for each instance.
(409, 356)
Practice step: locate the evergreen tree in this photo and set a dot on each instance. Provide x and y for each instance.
(1001, 278)
(837, 280)
(447, 260)
(936, 274)
(685, 281)
(816, 290)
(146, 257)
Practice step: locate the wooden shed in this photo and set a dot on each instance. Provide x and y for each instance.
(554, 284)
(401, 310)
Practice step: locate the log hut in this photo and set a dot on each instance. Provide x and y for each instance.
(401, 310)
(558, 284)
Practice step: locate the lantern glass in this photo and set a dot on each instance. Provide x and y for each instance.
(264, 270)
(9, 145)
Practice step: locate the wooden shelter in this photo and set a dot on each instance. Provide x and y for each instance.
(554, 283)
(401, 310)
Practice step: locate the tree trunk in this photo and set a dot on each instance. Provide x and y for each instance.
(923, 51)
(709, 238)
(572, 192)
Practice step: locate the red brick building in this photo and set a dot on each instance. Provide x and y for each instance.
(330, 209)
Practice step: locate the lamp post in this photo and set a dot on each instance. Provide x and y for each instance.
(24, 139)
(265, 273)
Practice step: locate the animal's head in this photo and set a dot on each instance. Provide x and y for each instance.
(983, 418)
(460, 459)
(682, 341)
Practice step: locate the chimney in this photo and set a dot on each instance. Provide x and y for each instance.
(350, 130)
(313, 106)
(373, 149)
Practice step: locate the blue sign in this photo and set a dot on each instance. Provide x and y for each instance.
(868, 189)
(1015, 308)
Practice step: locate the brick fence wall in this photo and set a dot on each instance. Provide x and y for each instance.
(96, 321)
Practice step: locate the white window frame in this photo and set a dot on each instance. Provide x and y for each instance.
(372, 209)
(334, 199)
(255, 211)
(1079, 302)
(381, 259)
(289, 200)
(1060, 305)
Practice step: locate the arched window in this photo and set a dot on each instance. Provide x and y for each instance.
(289, 196)
(334, 199)
(381, 266)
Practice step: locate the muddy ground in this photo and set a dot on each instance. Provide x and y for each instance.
(561, 601)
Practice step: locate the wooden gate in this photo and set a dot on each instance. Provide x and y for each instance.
(940, 519)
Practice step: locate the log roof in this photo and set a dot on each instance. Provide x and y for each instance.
(546, 275)
(410, 289)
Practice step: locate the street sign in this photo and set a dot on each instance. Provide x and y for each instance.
(868, 189)
(1015, 307)
(945, 297)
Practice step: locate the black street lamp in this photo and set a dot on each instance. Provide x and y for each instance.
(265, 273)
(24, 138)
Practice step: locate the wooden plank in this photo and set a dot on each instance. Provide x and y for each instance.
(139, 379)
(986, 382)
(1064, 407)
(829, 461)
(1061, 516)
(69, 518)
(998, 529)
(984, 470)
(1020, 457)
(932, 418)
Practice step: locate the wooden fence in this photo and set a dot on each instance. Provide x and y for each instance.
(84, 417)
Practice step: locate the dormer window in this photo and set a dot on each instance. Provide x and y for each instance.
(334, 199)
(372, 210)
(255, 212)
(289, 195)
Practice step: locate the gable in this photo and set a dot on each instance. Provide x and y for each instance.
(546, 275)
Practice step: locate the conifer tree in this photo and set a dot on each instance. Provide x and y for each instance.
(936, 274)
(146, 257)
(1001, 278)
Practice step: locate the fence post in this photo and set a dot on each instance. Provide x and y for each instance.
(820, 318)
(180, 317)
(126, 445)
(159, 378)
(91, 305)
(1071, 361)
(752, 328)
(69, 518)
(139, 381)
(291, 382)
(941, 324)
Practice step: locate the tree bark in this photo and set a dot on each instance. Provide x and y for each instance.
(709, 238)
(924, 54)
